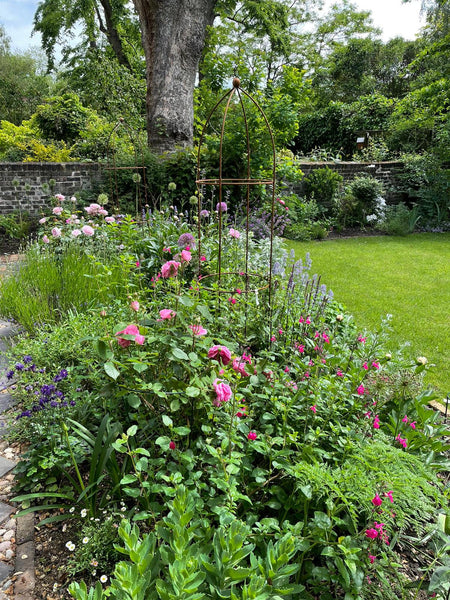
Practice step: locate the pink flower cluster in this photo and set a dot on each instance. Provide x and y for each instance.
(402, 441)
(95, 210)
(131, 330)
(377, 531)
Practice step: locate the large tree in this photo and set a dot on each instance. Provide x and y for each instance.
(173, 37)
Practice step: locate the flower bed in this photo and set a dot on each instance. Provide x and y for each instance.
(224, 446)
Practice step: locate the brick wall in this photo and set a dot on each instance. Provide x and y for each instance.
(21, 183)
(70, 178)
(386, 172)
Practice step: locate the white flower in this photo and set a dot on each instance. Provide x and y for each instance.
(85, 540)
(70, 546)
(83, 512)
(421, 360)
(103, 578)
(72, 509)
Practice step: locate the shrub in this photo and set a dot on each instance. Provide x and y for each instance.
(322, 186)
(358, 200)
(399, 220)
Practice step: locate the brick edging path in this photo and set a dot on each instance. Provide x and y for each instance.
(17, 572)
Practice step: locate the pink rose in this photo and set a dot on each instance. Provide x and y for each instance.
(252, 436)
(186, 256)
(223, 392)
(110, 220)
(87, 230)
(170, 269)
(198, 330)
(130, 330)
(166, 314)
(135, 305)
(56, 232)
(43, 220)
(57, 210)
(234, 234)
(76, 233)
(45, 239)
(220, 352)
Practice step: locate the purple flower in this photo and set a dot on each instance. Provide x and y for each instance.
(204, 213)
(27, 359)
(20, 366)
(221, 207)
(186, 239)
(9, 374)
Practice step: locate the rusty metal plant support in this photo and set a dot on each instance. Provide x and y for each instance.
(112, 167)
(246, 183)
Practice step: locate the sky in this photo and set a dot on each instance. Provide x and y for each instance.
(393, 17)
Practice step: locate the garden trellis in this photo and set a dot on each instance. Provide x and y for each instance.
(237, 95)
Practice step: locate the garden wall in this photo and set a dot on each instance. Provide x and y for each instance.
(21, 184)
(386, 172)
(29, 186)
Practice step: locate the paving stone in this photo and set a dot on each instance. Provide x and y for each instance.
(24, 586)
(7, 330)
(6, 465)
(5, 511)
(5, 571)
(6, 402)
(25, 529)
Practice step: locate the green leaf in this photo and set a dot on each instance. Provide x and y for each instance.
(192, 392)
(128, 479)
(182, 431)
(140, 367)
(163, 441)
(111, 370)
(175, 405)
(167, 421)
(131, 431)
(134, 401)
(186, 301)
(181, 354)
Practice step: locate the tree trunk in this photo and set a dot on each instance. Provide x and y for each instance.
(173, 36)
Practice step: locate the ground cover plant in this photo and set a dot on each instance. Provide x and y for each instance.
(405, 277)
(232, 442)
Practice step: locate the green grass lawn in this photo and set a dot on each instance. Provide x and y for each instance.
(408, 277)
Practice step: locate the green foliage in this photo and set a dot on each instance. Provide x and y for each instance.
(426, 183)
(399, 220)
(16, 225)
(322, 185)
(358, 200)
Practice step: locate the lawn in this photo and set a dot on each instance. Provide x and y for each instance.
(407, 277)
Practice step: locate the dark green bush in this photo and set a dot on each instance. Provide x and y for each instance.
(322, 185)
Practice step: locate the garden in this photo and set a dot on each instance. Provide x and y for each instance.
(198, 415)
(195, 437)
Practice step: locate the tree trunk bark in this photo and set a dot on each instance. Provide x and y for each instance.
(173, 36)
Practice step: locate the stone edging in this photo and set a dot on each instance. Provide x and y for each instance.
(17, 569)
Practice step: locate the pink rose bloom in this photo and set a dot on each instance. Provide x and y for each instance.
(134, 305)
(186, 256)
(75, 233)
(170, 269)
(239, 366)
(203, 258)
(220, 352)
(110, 220)
(60, 197)
(56, 232)
(223, 392)
(139, 339)
(372, 533)
(252, 436)
(166, 314)
(235, 234)
(198, 330)
(87, 230)
(129, 330)
(73, 199)
(57, 210)
(43, 220)
(377, 500)
(103, 212)
(45, 239)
